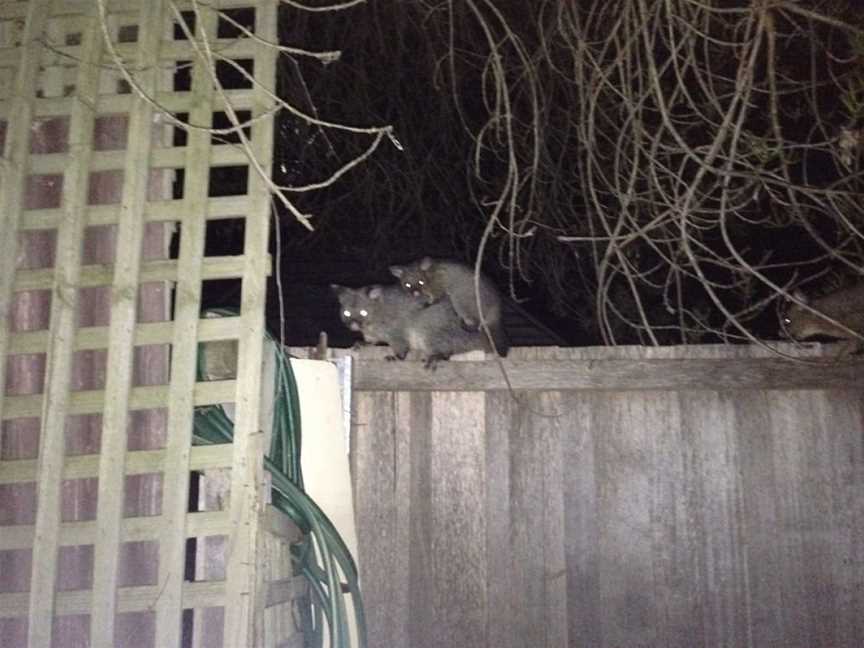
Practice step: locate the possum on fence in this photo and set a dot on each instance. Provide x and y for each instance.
(845, 306)
(388, 315)
(437, 281)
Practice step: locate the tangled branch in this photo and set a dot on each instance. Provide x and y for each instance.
(686, 162)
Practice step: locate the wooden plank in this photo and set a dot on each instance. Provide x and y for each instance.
(80, 6)
(548, 407)
(134, 530)
(409, 423)
(527, 532)
(169, 52)
(224, 267)
(501, 593)
(124, 301)
(138, 462)
(284, 590)
(610, 375)
(152, 397)
(458, 520)
(808, 508)
(184, 353)
(129, 599)
(760, 504)
(843, 451)
(169, 158)
(170, 101)
(96, 337)
(823, 451)
(375, 457)
(582, 522)
(17, 154)
(154, 211)
(623, 457)
(280, 525)
(525, 542)
(245, 589)
(719, 576)
(64, 313)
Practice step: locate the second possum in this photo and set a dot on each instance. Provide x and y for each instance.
(386, 314)
(846, 306)
(438, 281)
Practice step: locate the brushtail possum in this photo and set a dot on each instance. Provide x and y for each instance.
(845, 306)
(436, 281)
(386, 314)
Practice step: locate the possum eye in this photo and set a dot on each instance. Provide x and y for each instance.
(346, 314)
(421, 282)
(364, 312)
(407, 285)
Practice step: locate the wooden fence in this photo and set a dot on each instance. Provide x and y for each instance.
(98, 545)
(636, 497)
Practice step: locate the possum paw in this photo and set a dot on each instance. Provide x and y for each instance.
(432, 361)
(470, 324)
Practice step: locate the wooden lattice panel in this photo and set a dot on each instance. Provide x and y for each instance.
(99, 331)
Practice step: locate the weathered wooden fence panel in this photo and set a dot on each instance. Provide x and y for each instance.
(674, 516)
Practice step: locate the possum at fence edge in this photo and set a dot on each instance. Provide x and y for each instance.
(388, 315)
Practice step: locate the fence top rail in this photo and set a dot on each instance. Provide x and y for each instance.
(683, 368)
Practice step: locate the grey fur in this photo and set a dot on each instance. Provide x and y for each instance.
(846, 306)
(386, 314)
(435, 281)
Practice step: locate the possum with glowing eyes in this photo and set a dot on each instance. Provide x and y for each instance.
(388, 315)
(435, 281)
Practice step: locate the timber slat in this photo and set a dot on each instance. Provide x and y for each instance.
(610, 375)
(151, 397)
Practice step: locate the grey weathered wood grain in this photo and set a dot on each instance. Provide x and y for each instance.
(605, 375)
(581, 521)
(420, 552)
(458, 519)
(374, 467)
(501, 620)
(675, 512)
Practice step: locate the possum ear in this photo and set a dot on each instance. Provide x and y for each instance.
(336, 288)
(425, 263)
(374, 292)
(397, 271)
(800, 296)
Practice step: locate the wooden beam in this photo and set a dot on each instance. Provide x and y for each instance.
(93, 401)
(64, 279)
(96, 337)
(184, 349)
(154, 211)
(124, 307)
(129, 599)
(206, 523)
(138, 462)
(245, 592)
(221, 267)
(611, 375)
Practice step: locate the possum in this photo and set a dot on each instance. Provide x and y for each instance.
(386, 314)
(846, 306)
(436, 281)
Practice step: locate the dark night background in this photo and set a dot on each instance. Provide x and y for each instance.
(397, 68)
